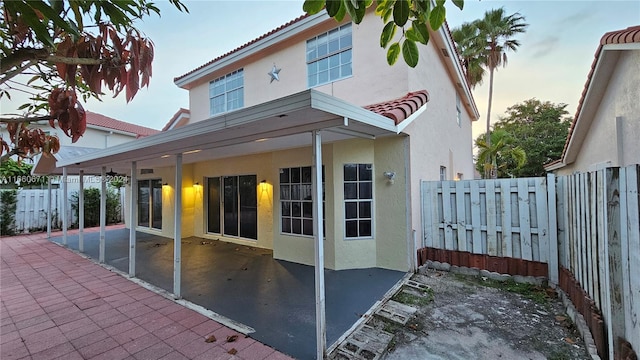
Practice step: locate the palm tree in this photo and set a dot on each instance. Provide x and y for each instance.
(498, 31)
(497, 155)
(471, 50)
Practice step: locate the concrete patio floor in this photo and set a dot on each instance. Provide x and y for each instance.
(247, 285)
(56, 304)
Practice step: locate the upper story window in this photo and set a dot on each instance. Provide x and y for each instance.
(329, 56)
(226, 93)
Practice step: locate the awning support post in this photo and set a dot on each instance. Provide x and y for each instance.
(81, 212)
(65, 200)
(177, 236)
(316, 186)
(103, 212)
(48, 207)
(133, 211)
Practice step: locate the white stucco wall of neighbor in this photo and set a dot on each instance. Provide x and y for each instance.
(621, 100)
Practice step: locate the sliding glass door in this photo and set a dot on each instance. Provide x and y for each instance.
(232, 206)
(150, 203)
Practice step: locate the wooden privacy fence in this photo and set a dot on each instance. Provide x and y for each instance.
(585, 227)
(505, 218)
(599, 252)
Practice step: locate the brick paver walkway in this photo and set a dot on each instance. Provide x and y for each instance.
(57, 304)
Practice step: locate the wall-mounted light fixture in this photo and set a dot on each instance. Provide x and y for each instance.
(390, 175)
(165, 184)
(196, 184)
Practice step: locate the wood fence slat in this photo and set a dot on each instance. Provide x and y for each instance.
(553, 229)
(602, 243)
(461, 217)
(428, 229)
(505, 198)
(567, 225)
(593, 230)
(586, 248)
(446, 211)
(631, 278)
(542, 213)
(492, 237)
(475, 217)
(525, 219)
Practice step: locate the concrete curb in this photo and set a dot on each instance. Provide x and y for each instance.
(540, 280)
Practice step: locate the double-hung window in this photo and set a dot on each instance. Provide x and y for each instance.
(226, 93)
(329, 56)
(296, 201)
(358, 200)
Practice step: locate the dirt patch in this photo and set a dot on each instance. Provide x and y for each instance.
(468, 317)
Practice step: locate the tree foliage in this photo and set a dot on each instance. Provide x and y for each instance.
(64, 49)
(540, 129)
(413, 17)
(485, 43)
(501, 157)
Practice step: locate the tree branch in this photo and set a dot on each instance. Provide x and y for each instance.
(16, 58)
(25, 119)
(17, 71)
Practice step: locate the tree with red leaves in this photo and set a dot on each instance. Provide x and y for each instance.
(66, 57)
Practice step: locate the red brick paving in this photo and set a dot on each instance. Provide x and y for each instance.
(57, 304)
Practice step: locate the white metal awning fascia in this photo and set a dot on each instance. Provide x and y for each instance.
(289, 116)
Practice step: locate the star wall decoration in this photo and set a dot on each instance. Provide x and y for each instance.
(274, 74)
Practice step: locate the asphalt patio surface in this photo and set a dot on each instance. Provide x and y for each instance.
(245, 284)
(58, 304)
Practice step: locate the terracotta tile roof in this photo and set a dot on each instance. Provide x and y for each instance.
(111, 123)
(298, 19)
(625, 36)
(175, 118)
(400, 109)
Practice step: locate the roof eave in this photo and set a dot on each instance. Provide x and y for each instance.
(251, 49)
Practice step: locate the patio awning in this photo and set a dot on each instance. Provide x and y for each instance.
(275, 125)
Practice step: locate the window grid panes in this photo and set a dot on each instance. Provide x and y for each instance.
(227, 92)
(329, 56)
(358, 200)
(296, 200)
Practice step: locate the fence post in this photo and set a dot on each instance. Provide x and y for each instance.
(553, 228)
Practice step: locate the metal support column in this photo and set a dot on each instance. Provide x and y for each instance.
(48, 207)
(65, 201)
(103, 212)
(133, 211)
(316, 186)
(81, 212)
(177, 235)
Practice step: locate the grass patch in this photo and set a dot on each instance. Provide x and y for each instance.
(529, 291)
(408, 298)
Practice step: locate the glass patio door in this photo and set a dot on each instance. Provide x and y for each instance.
(232, 206)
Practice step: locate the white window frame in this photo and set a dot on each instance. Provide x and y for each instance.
(227, 89)
(357, 201)
(290, 185)
(320, 54)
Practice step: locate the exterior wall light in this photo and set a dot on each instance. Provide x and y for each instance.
(390, 175)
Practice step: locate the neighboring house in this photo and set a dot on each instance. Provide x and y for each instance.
(261, 114)
(102, 132)
(606, 128)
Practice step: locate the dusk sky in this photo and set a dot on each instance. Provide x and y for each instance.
(552, 63)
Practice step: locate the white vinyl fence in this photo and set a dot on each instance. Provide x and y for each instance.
(32, 207)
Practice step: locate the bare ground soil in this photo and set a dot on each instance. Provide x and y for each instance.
(470, 317)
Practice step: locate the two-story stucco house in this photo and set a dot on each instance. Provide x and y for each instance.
(238, 165)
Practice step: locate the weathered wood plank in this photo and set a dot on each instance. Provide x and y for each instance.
(603, 259)
(525, 219)
(429, 194)
(586, 247)
(542, 214)
(593, 230)
(461, 217)
(631, 278)
(614, 186)
(475, 217)
(446, 212)
(505, 198)
(492, 236)
(552, 221)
